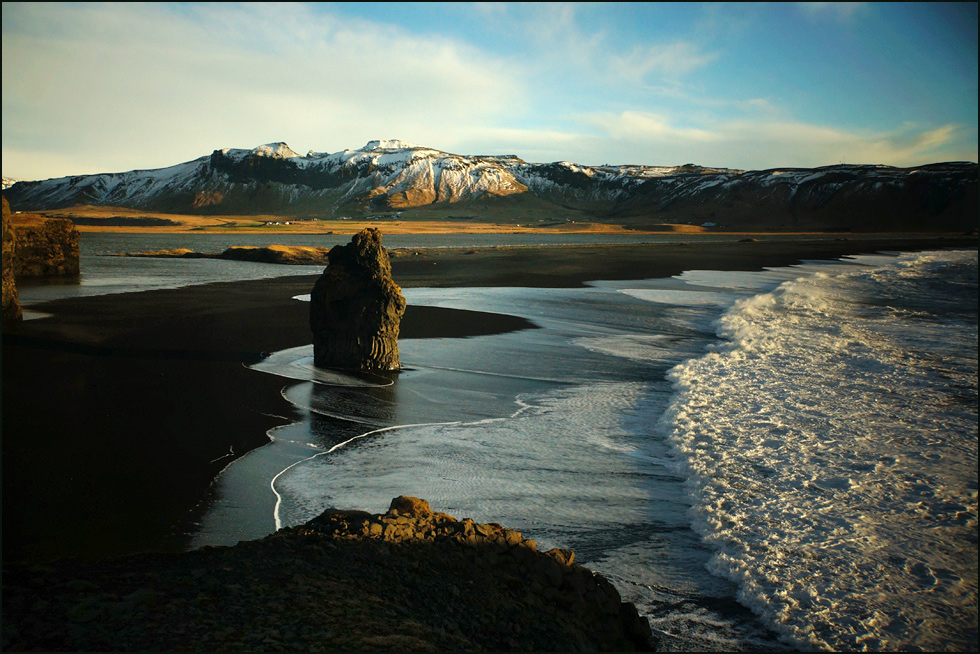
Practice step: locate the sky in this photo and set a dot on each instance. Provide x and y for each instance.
(91, 88)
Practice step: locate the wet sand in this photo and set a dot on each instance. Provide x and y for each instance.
(116, 407)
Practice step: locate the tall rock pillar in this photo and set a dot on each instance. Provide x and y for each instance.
(356, 308)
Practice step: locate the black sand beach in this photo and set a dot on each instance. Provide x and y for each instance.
(118, 410)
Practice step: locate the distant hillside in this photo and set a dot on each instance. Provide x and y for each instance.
(393, 177)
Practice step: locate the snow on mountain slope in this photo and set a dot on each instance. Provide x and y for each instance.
(277, 150)
(118, 189)
(390, 172)
(393, 175)
(408, 175)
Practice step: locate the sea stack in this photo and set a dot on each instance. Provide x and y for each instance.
(356, 308)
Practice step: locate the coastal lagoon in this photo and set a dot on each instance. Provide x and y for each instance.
(105, 271)
(757, 460)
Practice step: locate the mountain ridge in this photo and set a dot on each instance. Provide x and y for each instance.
(396, 176)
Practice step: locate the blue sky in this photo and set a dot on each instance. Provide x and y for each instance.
(93, 88)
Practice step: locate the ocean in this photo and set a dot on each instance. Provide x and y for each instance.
(772, 460)
(758, 460)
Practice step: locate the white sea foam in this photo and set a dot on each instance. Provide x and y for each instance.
(684, 298)
(642, 347)
(833, 458)
(297, 363)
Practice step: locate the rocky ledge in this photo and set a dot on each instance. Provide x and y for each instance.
(407, 580)
(298, 255)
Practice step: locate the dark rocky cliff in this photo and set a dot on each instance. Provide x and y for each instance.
(34, 246)
(11, 305)
(43, 246)
(939, 197)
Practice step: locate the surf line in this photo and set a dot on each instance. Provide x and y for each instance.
(231, 452)
(336, 447)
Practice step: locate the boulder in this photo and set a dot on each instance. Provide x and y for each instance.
(356, 308)
(409, 506)
(297, 255)
(11, 306)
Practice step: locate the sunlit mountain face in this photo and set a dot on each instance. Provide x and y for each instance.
(391, 176)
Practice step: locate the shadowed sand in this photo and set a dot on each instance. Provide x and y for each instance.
(118, 410)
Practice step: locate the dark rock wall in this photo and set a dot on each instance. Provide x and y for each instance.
(11, 306)
(45, 246)
(937, 197)
(356, 308)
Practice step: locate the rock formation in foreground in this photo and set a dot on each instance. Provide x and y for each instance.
(356, 308)
(11, 306)
(406, 580)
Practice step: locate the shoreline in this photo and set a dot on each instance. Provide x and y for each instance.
(565, 266)
(120, 407)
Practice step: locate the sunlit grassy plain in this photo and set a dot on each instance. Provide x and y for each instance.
(274, 224)
(419, 220)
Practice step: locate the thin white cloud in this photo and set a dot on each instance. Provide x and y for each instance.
(490, 9)
(764, 144)
(841, 11)
(802, 144)
(93, 88)
(669, 60)
(648, 126)
(560, 36)
(175, 82)
(936, 137)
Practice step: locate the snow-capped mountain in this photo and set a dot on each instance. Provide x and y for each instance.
(391, 175)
